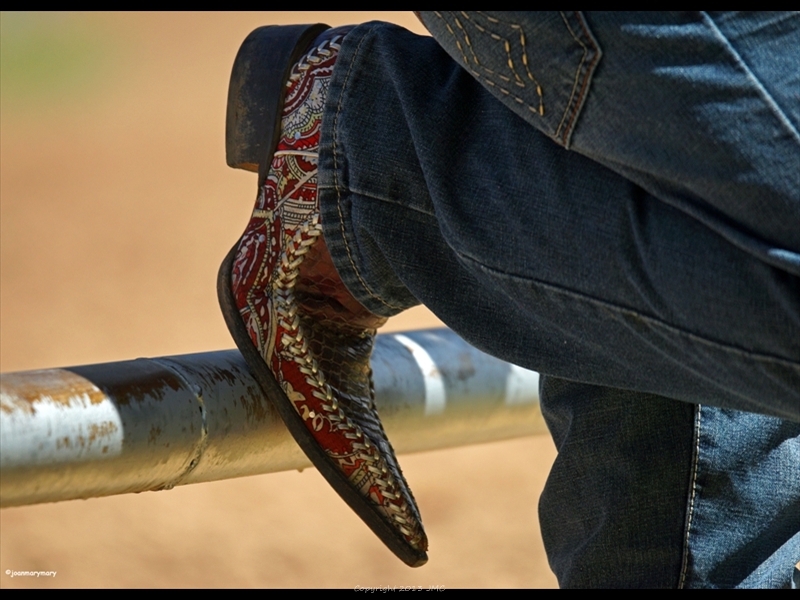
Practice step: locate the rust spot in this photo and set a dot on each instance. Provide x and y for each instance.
(132, 381)
(7, 407)
(22, 391)
(104, 429)
(466, 368)
(154, 433)
(256, 405)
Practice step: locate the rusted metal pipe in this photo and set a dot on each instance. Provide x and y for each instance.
(152, 424)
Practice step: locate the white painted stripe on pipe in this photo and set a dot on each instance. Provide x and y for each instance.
(522, 386)
(435, 394)
(58, 433)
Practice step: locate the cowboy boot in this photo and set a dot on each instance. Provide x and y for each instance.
(306, 339)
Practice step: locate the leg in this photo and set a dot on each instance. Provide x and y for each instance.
(613, 511)
(500, 238)
(699, 109)
(432, 191)
(645, 491)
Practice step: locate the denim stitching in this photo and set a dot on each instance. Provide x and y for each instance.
(336, 178)
(494, 36)
(573, 101)
(693, 494)
(519, 82)
(475, 56)
(540, 110)
(628, 312)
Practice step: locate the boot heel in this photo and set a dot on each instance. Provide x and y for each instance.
(257, 90)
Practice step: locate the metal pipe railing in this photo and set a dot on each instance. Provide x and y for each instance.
(152, 424)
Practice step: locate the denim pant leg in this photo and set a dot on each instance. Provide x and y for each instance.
(700, 109)
(649, 492)
(433, 191)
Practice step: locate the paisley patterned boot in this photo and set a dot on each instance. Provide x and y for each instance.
(304, 336)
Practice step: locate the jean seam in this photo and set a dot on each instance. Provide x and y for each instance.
(536, 110)
(577, 104)
(337, 187)
(692, 496)
(629, 312)
(762, 91)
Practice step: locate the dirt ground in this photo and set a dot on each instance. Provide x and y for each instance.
(117, 208)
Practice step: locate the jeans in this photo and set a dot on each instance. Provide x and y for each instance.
(612, 200)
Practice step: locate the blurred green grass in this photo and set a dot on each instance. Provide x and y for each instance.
(50, 57)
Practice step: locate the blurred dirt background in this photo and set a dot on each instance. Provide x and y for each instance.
(116, 208)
